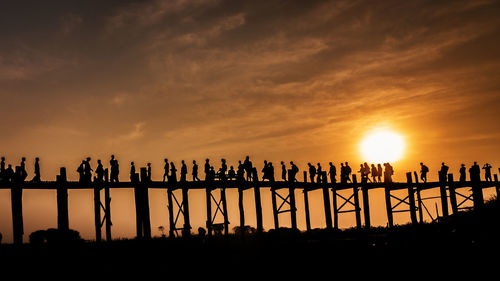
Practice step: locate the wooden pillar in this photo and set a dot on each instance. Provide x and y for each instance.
(62, 201)
(170, 206)
(419, 200)
(444, 196)
(326, 203)
(453, 195)
(411, 199)
(275, 208)
(306, 205)
(258, 203)
(477, 194)
(224, 209)
(208, 199)
(293, 209)
(185, 208)
(146, 221)
(242, 210)
(366, 205)
(97, 211)
(357, 209)
(388, 204)
(107, 205)
(16, 193)
(335, 207)
(138, 209)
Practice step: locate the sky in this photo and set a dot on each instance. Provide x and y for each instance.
(277, 80)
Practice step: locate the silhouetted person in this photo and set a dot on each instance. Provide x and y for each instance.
(210, 174)
(374, 172)
(248, 168)
(207, 168)
(23, 174)
(379, 172)
(173, 173)
(312, 172)
(388, 172)
(231, 174)
(2, 165)
(149, 176)
(184, 171)
(223, 169)
(195, 171)
(294, 170)
(462, 173)
(348, 171)
(265, 171)
(114, 169)
(37, 177)
(132, 172)
(343, 178)
(99, 171)
(319, 172)
(270, 171)
(367, 171)
(87, 170)
(283, 171)
(240, 172)
(81, 171)
(475, 173)
(333, 173)
(165, 169)
(363, 173)
(443, 172)
(487, 172)
(9, 173)
(423, 172)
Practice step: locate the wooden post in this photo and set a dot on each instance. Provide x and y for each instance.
(326, 203)
(366, 205)
(224, 209)
(477, 196)
(97, 211)
(411, 199)
(170, 206)
(62, 201)
(242, 210)
(146, 221)
(357, 209)
(306, 205)
(107, 205)
(258, 203)
(335, 207)
(388, 204)
(444, 196)
(419, 200)
(293, 209)
(185, 208)
(208, 199)
(16, 193)
(275, 208)
(453, 195)
(138, 208)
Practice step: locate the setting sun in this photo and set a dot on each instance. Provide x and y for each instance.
(383, 146)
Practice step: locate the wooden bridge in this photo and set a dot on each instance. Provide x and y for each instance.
(450, 193)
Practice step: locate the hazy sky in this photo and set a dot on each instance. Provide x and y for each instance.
(277, 80)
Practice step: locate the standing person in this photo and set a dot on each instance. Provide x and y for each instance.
(443, 172)
(2, 165)
(374, 173)
(319, 172)
(132, 172)
(475, 173)
(388, 172)
(207, 168)
(423, 172)
(223, 169)
(87, 170)
(240, 172)
(115, 170)
(248, 168)
(379, 172)
(149, 172)
(165, 169)
(462, 173)
(293, 172)
(348, 172)
(270, 171)
(333, 173)
(99, 171)
(195, 171)
(81, 171)
(366, 169)
(342, 173)
(487, 172)
(173, 172)
(24, 174)
(37, 177)
(265, 171)
(231, 174)
(283, 171)
(9, 173)
(312, 172)
(184, 171)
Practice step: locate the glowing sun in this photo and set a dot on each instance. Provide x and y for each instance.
(382, 146)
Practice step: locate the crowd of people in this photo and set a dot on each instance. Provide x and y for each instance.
(245, 171)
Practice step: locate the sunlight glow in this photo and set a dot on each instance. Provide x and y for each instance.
(382, 146)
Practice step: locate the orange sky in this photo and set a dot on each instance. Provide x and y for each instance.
(276, 80)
